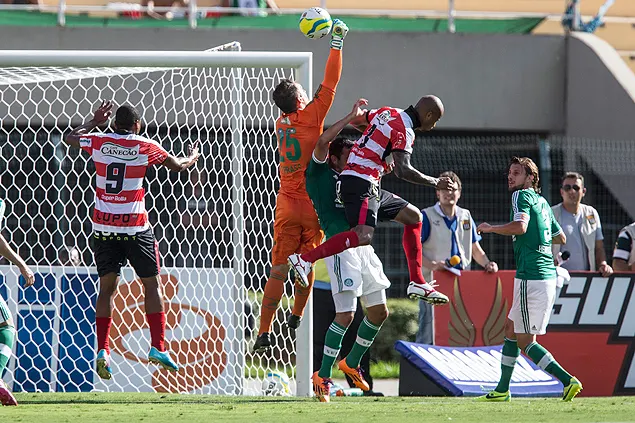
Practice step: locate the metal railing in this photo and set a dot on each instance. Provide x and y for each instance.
(194, 12)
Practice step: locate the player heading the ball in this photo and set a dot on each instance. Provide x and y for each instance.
(122, 231)
(389, 132)
(296, 228)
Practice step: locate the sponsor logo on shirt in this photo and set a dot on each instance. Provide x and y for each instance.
(120, 152)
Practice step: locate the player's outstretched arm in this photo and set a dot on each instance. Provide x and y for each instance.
(322, 147)
(325, 94)
(516, 227)
(404, 170)
(361, 122)
(179, 164)
(13, 257)
(100, 116)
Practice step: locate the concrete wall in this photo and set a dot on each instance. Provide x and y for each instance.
(600, 91)
(487, 82)
(601, 109)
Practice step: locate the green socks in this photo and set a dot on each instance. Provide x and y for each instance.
(545, 361)
(508, 361)
(332, 345)
(7, 338)
(365, 336)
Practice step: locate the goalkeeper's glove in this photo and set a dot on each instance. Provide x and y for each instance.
(338, 34)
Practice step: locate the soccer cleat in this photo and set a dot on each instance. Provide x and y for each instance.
(163, 359)
(495, 396)
(356, 375)
(300, 269)
(572, 389)
(427, 293)
(322, 387)
(293, 322)
(263, 343)
(6, 398)
(103, 365)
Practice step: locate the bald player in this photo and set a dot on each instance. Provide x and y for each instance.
(389, 137)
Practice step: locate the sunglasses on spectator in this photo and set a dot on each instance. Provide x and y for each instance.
(568, 187)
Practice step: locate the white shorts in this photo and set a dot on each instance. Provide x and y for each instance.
(532, 305)
(360, 272)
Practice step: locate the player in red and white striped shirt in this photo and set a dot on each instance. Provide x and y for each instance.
(389, 133)
(122, 232)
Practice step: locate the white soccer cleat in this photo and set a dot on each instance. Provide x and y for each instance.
(427, 293)
(300, 269)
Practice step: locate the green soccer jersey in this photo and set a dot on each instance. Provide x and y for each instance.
(532, 250)
(320, 185)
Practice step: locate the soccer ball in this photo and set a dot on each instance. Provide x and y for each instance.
(276, 384)
(315, 22)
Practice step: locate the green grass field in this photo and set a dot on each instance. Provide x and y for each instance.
(155, 408)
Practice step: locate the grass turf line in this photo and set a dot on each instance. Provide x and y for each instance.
(157, 408)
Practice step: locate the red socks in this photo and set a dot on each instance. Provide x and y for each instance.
(412, 248)
(103, 333)
(156, 321)
(336, 244)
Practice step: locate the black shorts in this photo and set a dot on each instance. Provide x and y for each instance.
(113, 251)
(365, 203)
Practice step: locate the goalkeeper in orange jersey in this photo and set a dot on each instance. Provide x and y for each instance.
(296, 228)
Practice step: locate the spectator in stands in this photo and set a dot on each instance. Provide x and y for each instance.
(261, 5)
(569, 19)
(582, 227)
(323, 315)
(447, 231)
(624, 252)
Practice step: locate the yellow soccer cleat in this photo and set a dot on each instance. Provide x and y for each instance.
(572, 389)
(494, 396)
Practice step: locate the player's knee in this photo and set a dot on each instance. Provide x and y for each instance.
(364, 234)
(344, 319)
(509, 330)
(378, 315)
(409, 215)
(152, 284)
(279, 271)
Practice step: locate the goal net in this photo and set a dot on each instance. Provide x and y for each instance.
(213, 223)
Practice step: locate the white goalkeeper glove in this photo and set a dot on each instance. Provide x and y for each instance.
(338, 34)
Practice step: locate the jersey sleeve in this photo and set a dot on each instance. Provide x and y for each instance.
(521, 206)
(317, 109)
(623, 246)
(325, 94)
(475, 236)
(316, 168)
(402, 139)
(556, 229)
(86, 143)
(156, 154)
(425, 227)
(599, 236)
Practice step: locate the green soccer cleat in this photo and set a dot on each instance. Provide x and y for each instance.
(163, 359)
(103, 365)
(494, 396)
(572, 389)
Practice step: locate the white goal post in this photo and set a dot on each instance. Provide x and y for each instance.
(213, 224)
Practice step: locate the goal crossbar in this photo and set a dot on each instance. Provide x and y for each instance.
(111, 58)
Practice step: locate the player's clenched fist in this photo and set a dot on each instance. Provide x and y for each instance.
(338, 34)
